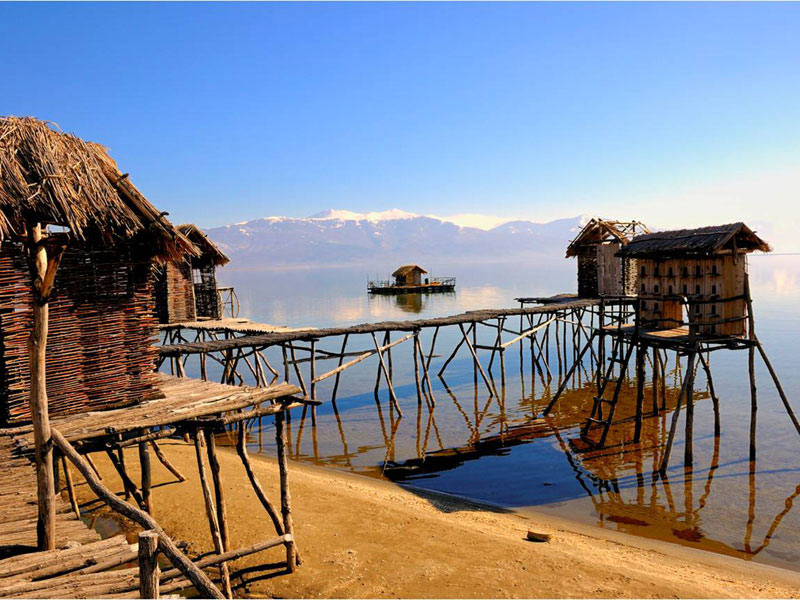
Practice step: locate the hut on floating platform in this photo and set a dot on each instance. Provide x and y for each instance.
(704, 269)
(77, 245)
(186, 289)
(409, 275)
(600, 271)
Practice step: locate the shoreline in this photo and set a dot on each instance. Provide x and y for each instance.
(366, 537)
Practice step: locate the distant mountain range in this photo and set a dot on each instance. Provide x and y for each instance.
(337, 237)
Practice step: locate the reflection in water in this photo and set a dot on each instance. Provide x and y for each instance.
(493, 449)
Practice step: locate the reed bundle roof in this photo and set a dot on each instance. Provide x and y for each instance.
(207, 249)
(407, 269)
(700, 241)
(57, 178)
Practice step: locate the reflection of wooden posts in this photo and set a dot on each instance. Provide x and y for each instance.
(640, 354)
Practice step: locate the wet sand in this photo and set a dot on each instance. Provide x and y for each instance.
(361, 537)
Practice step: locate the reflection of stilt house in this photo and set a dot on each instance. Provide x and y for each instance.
(600, 271)
(186, 290)
(707, 266)
(99, 353)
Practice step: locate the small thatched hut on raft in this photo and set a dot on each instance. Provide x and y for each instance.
(600, 271)
(409, 275)
(706, 267)
(77, 247)
(186, 290)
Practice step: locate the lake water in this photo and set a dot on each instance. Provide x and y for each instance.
(489, 449)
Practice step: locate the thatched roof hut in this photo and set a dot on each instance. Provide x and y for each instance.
(73, 219)
(701, 241)
(186, 289)
(409, 275)
(705, 267)
(600, 271)
(57, 178)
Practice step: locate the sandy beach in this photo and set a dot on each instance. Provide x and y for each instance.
(361, 537)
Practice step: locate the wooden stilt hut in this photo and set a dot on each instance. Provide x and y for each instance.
(77, 244)
(600, 271)
(704, 269)
(186, 290)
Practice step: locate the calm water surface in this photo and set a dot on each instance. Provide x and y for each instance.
(491, 449)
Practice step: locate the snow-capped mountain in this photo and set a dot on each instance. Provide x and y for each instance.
(341, 237)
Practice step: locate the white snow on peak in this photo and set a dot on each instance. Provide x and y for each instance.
(347, 215)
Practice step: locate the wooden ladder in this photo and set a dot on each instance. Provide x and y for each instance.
(603, 408)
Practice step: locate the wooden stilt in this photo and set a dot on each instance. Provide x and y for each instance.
(286, 498)
(455, 350)
(477, 362)
(386, 376)
(149, 572)
(712, 392)
(675, 415)
(165, 461)
(338, 373)
(43, 275)
(416, 368)
(216, 477)
(70, 488)
(426, 376)
(241, 450)
(147, 477)
(211, 511)
(688, 454)
(89, 460)
(127, 482)
(640, 353)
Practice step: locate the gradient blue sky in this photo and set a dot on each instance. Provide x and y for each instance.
(674, 113)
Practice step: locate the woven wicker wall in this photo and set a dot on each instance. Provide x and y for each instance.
(174, 293)
(100, 351)
(205, 293)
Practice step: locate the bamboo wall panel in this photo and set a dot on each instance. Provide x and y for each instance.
(100, 351)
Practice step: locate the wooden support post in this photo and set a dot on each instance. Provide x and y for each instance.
(714, 397)
(165, 461)
(386, 375)
(222, 513)
(147, 477)
(688, 454)
(339, 373)
(313, 372)
(675, 415)
(563, 383)
(286, 497)
(426, 377)
(477, 362)
(70, 488)
(211, 512)
(199, 579)
(89, 460)
(127, 482)
(149, 572)
(37, 394)
(656, 364)
(241, 450)
(454, 352)
(640, 353)
(416, 368)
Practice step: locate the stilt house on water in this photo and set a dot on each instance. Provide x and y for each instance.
(600, 271)
(78, 243)
(704, 269)
(186, 290)
(70, 218)
(410, 279)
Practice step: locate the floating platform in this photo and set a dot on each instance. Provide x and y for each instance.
(423, 288)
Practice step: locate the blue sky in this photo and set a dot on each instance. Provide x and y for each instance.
(679, 114)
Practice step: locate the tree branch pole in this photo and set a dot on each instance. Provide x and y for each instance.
(37, 393)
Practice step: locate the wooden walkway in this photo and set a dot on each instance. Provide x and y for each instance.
(228, 324)
(278, 338)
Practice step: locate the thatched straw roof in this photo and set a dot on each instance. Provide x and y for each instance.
(57, 178)
(407, 269)
(207, 249)
(597, 231)
(701, 241)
